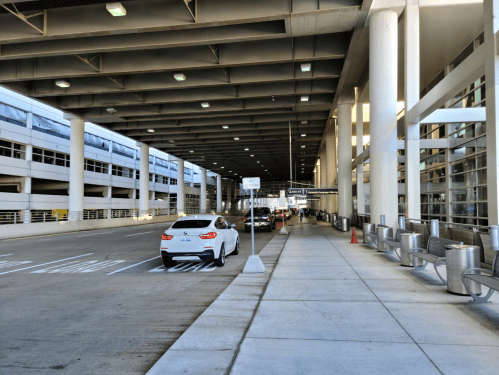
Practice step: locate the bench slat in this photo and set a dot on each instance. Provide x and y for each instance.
(488, 281)
(425, 256)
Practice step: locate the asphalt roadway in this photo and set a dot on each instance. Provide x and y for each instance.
(101, 302)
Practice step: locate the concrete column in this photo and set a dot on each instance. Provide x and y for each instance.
(202, 195)
(383, 120)
(229, 196)
(76, 177)
(318, 185)
(219, 193)
(411, 94)
(180, 188)
(108, 193)
(345, 156)
(323, 182)
(361, 209)
(491, 28)
(144, 180)
(331, 167)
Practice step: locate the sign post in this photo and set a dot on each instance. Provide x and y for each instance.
(254, 263)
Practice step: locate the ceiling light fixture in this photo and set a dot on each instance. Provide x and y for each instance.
(258, 162)
(252, 155)
(304, 98)
(304, 122)
(205, 105)
(116, 9)
(303, 164)
(236, 138)
(111, 110)
(222, 167)
(191, 152)
(225, 126)
(302, 146)
(246, 149)
(306, 67)
(150, 130)
(214, 163)
(179, 76)
(62, 83)
(303, 135)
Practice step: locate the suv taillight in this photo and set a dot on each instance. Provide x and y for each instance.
(244, 218)
(167, 237)
(208, 236)
(268, 218)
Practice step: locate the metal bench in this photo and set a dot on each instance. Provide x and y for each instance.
(394, 243)
(490, 279)
(435, 254)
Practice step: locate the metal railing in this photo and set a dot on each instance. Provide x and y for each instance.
(449, 225)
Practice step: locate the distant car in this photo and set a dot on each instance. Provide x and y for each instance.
(286, 213)
(209, 237)
(263, 218)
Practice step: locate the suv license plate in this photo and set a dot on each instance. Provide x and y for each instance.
(186, 238)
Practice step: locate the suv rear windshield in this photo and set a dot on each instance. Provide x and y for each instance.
(183, 224)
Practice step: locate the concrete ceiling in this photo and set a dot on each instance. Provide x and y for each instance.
(243, 57)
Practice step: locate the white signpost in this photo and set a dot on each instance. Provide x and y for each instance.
(254, 263)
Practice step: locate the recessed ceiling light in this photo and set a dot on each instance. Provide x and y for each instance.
(191, 151)
(235, 174)
(222, 167)
(306, 67)
(304, 98)
(252, 155)
(302, 146)
(230, 171)
(236, 138)
(303, 164)
(205, 104)
(179, 76)
(258, 161)
(266, 170)
(150, 130)
(304, 122)
(116, 9)
(303, 135)
(246, 149)
(225, 126)
(111, 110)
(62, 84)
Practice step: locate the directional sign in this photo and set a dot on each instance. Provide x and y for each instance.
(251, 183)
(294, 191)
(321, 191)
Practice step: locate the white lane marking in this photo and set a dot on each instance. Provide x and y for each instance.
(136, 234)
(187, 267)
(133, 265)
(5, 264)
(77, 267)
(44, 264)
(6, 255)
(95, 234)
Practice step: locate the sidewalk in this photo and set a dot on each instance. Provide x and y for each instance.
(335, 307)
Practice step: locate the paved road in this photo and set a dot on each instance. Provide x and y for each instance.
(65, 310)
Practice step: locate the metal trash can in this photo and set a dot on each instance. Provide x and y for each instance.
(345, 224)
(327, 218)
(382, 233)
(409, 241)
(367, 227)
(459, 258)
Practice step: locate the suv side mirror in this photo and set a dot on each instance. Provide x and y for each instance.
(233, 226)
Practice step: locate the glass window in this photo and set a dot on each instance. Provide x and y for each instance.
(37, 154)
(48, 157)
(5, 148)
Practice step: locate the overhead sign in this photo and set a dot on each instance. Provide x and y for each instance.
(294, 191)
(251, 183)
(321, 191)
(283, 193)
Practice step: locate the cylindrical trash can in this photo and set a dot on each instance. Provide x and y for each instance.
(382, 233)
(334, 219)
(459, 258)
(366, 228)
(345, 224)
(408, 242)
(327, 218)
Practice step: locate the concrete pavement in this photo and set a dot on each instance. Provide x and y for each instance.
(329, 306)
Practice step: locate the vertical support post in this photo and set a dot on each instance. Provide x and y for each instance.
(411, 94)
(76, 176)
(434, 230)
(494, 237)
(323, 176)
(290, 159)
(361, 208)
(180, 188)
(252, 226)
(345, 155)
(144, 180)
(382, 220)
(219, 193)
(229, 195)
(109, 195)
(202, 195)
(383, 30)
(331, 166)
(401, 222)
(491, 29)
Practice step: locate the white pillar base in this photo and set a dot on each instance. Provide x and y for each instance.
(254, 265)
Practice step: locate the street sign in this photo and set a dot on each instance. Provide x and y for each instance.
(294, 191)
(321, 191)
(251, 183)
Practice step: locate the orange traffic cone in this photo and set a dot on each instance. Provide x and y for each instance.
(354, 236)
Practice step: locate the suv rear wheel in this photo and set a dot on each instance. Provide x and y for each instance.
(221, 257)
(168, 262)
